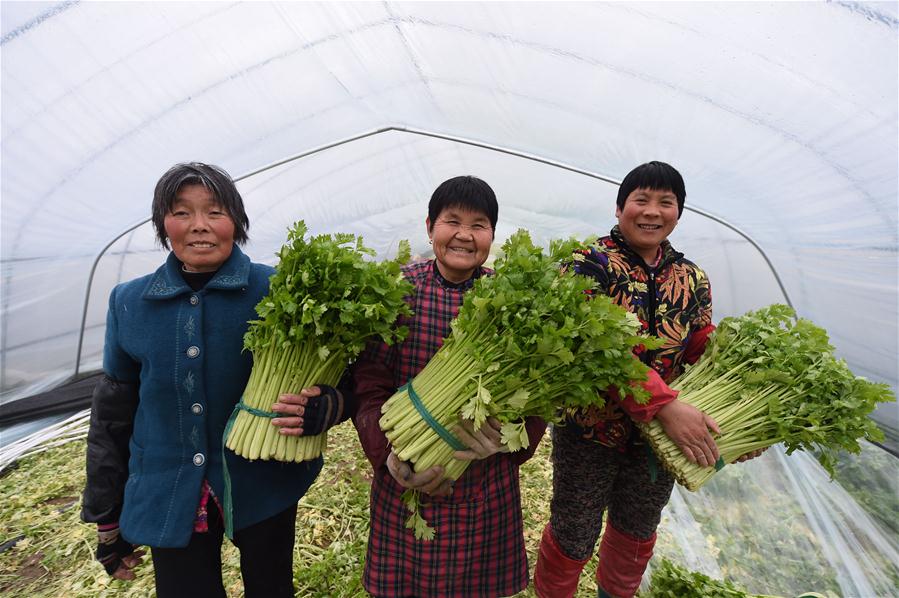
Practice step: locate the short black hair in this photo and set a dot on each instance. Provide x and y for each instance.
(211, 177)
(657, 176)
(466, 192)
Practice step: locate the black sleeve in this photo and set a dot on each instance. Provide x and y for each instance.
(331, 407)
(112, 421)
(350, 402)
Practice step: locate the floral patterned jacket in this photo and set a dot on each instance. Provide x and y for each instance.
(673, 301)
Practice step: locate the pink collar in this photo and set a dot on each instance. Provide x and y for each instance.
(656, 261)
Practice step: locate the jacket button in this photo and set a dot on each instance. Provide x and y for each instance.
(196, 409)
(199, 459)
(193, 351)
(194, 299)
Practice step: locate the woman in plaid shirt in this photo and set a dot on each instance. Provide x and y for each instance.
(479, 545)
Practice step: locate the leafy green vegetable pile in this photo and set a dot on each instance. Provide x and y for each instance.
(768, 378)
(671, 581)
(324, 303)
(525, 343)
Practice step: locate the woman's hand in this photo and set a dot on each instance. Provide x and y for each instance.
(430, 481)
(689, 428)
(481, 443)
(116, 554)
(310, 413)
(750, 455)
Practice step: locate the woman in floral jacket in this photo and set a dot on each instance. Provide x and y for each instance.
(599, 461)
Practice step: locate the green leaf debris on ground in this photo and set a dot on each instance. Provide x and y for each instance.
(40, 503)
(40, 499)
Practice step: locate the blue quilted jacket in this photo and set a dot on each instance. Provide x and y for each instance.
(185, 349)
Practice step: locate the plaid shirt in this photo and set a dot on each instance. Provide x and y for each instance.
(479, 546)
(673, 300)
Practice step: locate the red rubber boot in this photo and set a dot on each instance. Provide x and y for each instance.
(555, 575)
(622, 561)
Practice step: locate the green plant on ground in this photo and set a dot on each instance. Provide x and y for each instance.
(40, 502)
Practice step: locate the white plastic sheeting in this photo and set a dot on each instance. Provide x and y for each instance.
(782, 117)
(779, 525)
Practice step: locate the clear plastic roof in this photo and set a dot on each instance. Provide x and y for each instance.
(782, 118)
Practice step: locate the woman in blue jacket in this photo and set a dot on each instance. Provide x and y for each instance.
(174, 368)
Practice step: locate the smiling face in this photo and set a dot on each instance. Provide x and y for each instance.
(648, 217)
(461, 241)
(199, 229)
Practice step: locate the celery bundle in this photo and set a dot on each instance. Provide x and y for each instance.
(768, 378)
(325, 301)
(526, 342)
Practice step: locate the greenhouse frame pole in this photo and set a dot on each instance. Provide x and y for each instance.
(434, 135)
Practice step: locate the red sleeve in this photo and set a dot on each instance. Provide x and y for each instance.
(696, 345)
(660, 395)
(535, 427)
(373, 384)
